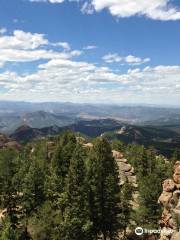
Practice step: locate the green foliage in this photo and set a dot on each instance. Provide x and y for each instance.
(125, 205)
(77, 224)
(151, 171)
(44, 223)
(118, 145)
(76, 194)
(8, 184)
(104, 189)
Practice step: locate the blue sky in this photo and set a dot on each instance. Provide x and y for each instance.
(106, 51)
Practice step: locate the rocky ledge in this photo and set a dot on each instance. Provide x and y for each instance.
(170, 200)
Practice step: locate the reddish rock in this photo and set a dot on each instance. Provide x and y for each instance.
(13, 144)
(165, 217)
(125, 167)
(176, 236)
(176, 175)
(176, 178)
(168, 185)
(165, 198)
(177, 167)
(117, 154)
(88, 145)
(6, 142)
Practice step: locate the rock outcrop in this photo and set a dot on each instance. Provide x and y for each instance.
(170, 200)
(6, 142)
(126, 171)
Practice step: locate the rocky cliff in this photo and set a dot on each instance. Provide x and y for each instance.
(170, 200)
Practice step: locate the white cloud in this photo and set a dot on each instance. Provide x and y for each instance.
(130, 59)
(62, 77)
(90, 47)
(26, 47)
(64, 45)
(136, 60)
(87, 8)
(110, 58)
(153, 9)
(3, 31)
(22, 40)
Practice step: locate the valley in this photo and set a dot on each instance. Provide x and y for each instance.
(145, 125)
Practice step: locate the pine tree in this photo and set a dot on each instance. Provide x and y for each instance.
(8, 185)
(63, 153)
(125, 206)
(58, 170)
(104, 190)
(77, 224)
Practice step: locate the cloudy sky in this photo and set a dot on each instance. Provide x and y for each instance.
(96, 51)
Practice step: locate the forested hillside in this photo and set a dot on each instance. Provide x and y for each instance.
(63, 188)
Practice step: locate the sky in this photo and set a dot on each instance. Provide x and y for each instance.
(90, 51)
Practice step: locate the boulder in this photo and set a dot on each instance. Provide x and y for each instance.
(177, 167)
(165, 217)
(176, 236)
(168, 185)
(172, 223)
(88, 145)
(177, 185)
(129, 173)
(121, 160)
(122, 178)
(176, 175)
(176, 196)
(124, 166)
(165, 197)
(132, 170)
(176, 178)
(178, 204)
(117, 154)
(176, 211)
(132, 179)
(166, 232)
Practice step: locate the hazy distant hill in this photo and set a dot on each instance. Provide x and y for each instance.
(92, 128)
(39, 119)
(133, 114)
(40, 115)
(162, 138)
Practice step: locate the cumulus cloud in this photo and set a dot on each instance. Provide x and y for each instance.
(26, 47)
(63, 77)
(22, 40)
(154, 9)
(130, 59)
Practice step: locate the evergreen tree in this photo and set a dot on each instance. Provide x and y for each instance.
(8, 185)
(58, 171)
(77, 224)
(125, 206)
(104, 190)
(118, 146)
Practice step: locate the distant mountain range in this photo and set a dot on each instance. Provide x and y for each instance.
(164, 139)
(148, 125)
(40, 115)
